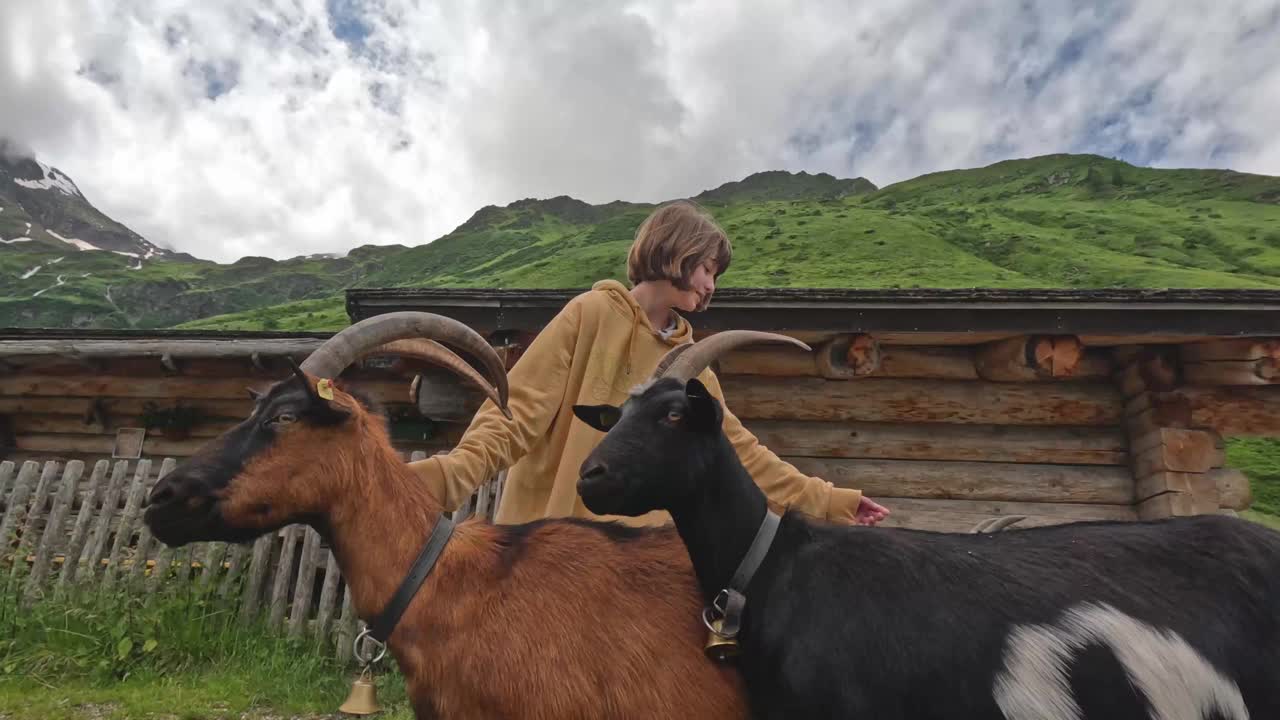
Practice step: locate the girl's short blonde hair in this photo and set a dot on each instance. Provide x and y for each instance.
(673, 241)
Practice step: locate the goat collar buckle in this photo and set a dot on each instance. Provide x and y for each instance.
(380, 629)
(730, 601)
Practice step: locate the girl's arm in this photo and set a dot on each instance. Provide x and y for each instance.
(492, 442)
(780, 480)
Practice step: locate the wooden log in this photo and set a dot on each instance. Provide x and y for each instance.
(1203, 499)
(1250, 348)
(939, 363)
(978, 443)
(1151, 371)
(1264, 371)
(305, 583)
(441, 395)
(98, 542)
(80, 532)
(52, 534)
(284, 571)
(975, 481)
(124, 531)
(843, 357)
(1249, 411)
(76, 425)
(962, 515)
(103, 444)
(923, 401)
(16, 511)
(258, 568)
(1028, 359)
(157, 347)
(1233, 488)
(165, 387)
(1176, 450)
(930, 338)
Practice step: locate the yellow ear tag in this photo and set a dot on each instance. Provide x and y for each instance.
(324, 388)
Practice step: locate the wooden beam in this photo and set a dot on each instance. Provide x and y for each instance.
(961, 515)
(102, 444)
(163, 387)
(1249, 411)
(922, 401)
(155, 347)
(938, 363)
(1231, 349)
(70, 424)
(440, 395)
(1263, 371)
(1175, 450)
(989, 443)
(975, 480)
(1233, 488)
(1153, 371)
(1045, 357)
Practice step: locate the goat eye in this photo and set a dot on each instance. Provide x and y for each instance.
(284, 418)
(674, 416)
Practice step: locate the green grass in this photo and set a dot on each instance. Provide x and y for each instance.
(1057, 221)
(178, 653)
(1259, 459)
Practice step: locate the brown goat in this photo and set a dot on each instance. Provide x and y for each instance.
(550, 619)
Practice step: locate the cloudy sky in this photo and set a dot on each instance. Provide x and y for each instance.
(286, 127)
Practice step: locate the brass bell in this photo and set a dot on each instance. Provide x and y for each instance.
(363, 699)
(720, 648)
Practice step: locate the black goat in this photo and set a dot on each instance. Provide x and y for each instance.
(1175, 619)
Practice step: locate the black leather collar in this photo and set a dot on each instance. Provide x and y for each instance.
(382, 625)
(731, 600)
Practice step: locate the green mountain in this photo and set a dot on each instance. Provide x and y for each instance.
(1052, 221)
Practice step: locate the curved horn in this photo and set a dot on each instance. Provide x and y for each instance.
(686, 361)
(441, 356)
(997, 524)
(339, 351)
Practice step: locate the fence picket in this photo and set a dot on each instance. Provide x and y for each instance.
(124, 533)
(98, 543)
(328, 594)
(88, 504)
(345, 633)
(52, 534)
(6, 476)
(35, 511)
(16, 512)
(139, 570)
(303, 587)
(284, 570)
(235, 568)
(258, 568)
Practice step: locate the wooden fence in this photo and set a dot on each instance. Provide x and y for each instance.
(68, 529)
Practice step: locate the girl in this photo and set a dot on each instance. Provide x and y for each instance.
(602, 344)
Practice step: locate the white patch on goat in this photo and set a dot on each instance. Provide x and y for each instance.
(1178, 682)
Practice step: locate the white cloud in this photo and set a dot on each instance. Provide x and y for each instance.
(248, 128)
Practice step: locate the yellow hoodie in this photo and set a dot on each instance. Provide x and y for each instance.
(594, 351)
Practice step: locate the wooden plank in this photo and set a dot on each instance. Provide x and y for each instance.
(1007, 482)
(941, 363)
(8, 470)
(345, 633)
(35, 513)
(961, 515)
(1159, 483)
(1201, 501)
(1265, 371)
(258, 568)
(161, 567)
(237, 558)
(76, 425)
(978, 443)
(284, 571)
(215, 553)
(163, 387)
(1122, 340)
(1030, 359)
(930, 338)
(124, 531)
(52, 534)
(16, 512)
(328, 596)
(1233, 488)
(1250, 348)
(84, 519)
(98, 541)
(155, 347)
(304, 585)
(103, 444)
(125, 407)
(925, 401)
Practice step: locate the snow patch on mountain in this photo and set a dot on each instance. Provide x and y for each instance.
(52, 180)
(73, 241)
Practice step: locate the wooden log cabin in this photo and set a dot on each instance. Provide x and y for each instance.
(949, 406)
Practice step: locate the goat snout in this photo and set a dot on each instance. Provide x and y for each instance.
(597, 486)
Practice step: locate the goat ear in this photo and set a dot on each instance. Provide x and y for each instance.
(600, 417)
(704, 412)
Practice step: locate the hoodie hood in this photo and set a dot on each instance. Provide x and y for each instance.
(621, 300)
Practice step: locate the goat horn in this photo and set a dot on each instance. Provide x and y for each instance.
(437, 354)
(688, 360)
(997, 524)
(353, 341)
